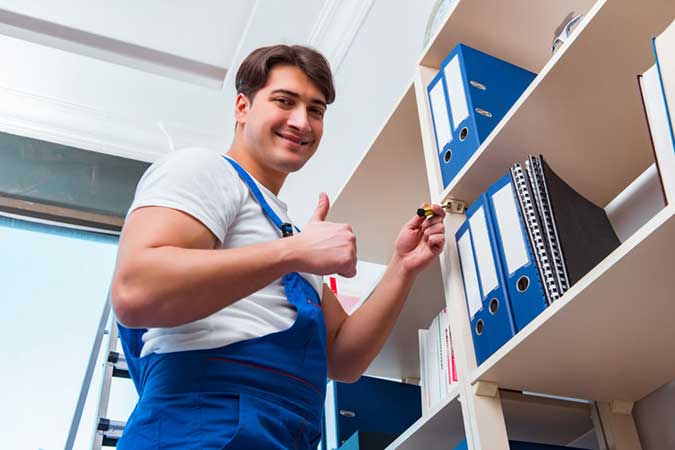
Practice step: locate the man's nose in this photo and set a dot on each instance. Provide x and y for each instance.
(299, 119)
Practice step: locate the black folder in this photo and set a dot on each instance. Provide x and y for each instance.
(578, 233)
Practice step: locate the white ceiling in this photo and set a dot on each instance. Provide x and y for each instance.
(171, 38)
(208, 33)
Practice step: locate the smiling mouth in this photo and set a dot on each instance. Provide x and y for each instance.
(292, 139)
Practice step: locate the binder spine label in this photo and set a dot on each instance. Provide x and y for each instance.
(440, 117)
(459, 107)
(484, 256)
(469, 274)
(533, 229)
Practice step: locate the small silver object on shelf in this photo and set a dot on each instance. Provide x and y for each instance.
(564, 30)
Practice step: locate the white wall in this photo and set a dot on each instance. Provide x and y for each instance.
(371, 78)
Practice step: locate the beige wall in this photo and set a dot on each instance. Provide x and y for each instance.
(655, 418)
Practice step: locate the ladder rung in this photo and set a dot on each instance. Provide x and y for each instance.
(120, 368)
(109, 441)
(120, 373)
(111, 431)
(110, 425)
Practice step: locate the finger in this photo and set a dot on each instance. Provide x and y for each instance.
(436, 242)
(322, 208)
(416, 221)
(433, 220)
(438, 210)
(434, 229)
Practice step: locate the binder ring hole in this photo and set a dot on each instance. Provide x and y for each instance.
(463, 134)
(448, 156)
(494, 306)
(522, 284)
(479, 327)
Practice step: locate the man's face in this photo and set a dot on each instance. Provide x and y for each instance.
(284, 123)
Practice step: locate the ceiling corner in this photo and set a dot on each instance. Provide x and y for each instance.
(336, 28)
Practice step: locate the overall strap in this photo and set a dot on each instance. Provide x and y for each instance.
(255, 191)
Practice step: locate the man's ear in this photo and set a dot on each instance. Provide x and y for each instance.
(242, 105)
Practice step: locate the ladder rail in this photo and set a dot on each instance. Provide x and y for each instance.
(98, 437)
(88, 374)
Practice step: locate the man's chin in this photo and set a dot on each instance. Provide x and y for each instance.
(293, 166)
(292, 162)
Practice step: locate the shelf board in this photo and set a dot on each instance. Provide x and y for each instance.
(583, 111)
(387, 186)
(440, 429)
(518, 31)
(610, 336)
(399, 357)
(528, 418)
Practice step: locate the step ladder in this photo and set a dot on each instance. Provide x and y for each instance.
(107, 431)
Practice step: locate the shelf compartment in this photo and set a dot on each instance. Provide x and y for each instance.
(518, 31)
(550, 421)
(583, 111)
(387, 185)
(381, 195)
(440, 429)
(399, 357)
(610, 336)
(528, 418)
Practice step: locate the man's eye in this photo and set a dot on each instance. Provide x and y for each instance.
(283, 101)
(317, 112)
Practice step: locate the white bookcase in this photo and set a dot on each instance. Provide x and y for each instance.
(609, 338)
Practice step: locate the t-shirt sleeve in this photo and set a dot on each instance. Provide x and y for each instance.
(196, 181)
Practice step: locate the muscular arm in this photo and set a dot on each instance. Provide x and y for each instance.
(169, 273)
(354, 341)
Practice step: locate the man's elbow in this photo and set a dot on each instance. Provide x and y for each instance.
(125, 304)
(343, 375)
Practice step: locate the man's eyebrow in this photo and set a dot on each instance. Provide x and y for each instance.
(296, 95)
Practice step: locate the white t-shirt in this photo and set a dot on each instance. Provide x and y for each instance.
(201, 183)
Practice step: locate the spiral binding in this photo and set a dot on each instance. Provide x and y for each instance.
(536, 174)
(541, 255)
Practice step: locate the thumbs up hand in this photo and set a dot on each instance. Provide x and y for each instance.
(321, 210)
(325, 248)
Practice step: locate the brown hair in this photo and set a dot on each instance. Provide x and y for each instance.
(254, 70)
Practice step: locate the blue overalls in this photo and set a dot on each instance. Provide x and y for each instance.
(261, 393)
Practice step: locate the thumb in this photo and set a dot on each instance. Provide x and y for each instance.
(322, 208)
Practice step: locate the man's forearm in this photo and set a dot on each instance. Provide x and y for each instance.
(363, 334)
(170, 286)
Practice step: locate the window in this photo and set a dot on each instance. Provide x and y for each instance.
(53, 286)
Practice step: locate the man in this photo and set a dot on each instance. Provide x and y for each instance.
(228, 330)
